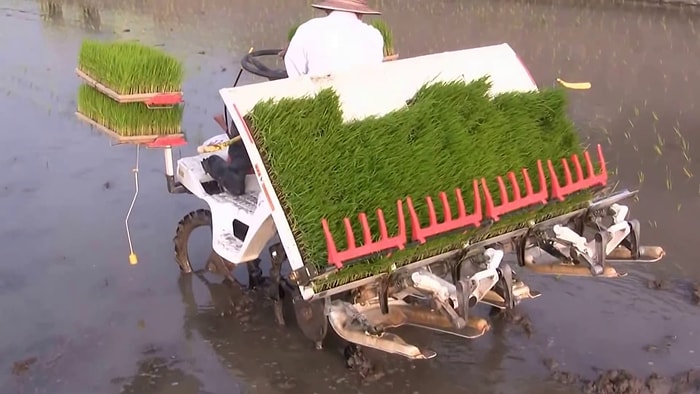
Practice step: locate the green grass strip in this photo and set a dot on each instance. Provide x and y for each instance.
(292, 31)
(131, 119)
(450, 134)
(129, 67)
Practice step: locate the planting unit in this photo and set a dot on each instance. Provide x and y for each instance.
(443, 258)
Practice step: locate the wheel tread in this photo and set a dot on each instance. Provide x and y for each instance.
(190, 222)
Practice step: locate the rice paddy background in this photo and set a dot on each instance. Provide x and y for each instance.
(72, 299)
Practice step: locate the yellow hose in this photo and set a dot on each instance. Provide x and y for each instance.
(574, 85)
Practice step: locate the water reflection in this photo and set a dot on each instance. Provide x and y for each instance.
(91, 17)
(642, 64)
(84, 14)
(248, 344)
(51, 11)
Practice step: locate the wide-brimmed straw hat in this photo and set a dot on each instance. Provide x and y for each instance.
(356, 6)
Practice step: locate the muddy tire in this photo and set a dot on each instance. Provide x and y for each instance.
(189, 223)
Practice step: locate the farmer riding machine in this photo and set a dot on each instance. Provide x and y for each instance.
(400, 194)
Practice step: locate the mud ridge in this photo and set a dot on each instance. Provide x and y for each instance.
(680, 286)
(620, 381)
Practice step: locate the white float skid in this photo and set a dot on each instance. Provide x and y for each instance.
(438, 293)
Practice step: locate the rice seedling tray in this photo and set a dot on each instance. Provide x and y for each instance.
(128, 71)
(162, 99)
(132, 123)
(154, 141)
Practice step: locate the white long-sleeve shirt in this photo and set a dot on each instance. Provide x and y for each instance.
(331, 44)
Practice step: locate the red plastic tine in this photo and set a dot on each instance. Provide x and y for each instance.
(477, 201)
(516, 187)
(432, 216)
(567, 172)
(400, 238)
(555, 181)
(445, 207)
(528, 182)
(519, 201)
(416, 233)
(349, 235)
(601, 162)
(577, 167)
(366, 233)
(449, 223)
(584, 181)
(383, 232)
(490, 207)
(503, 191)
(461, 209)
(333, 257)
(369, 247)
(589, 162)
(542, 179)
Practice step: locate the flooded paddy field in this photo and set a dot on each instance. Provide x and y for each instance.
(76, 318)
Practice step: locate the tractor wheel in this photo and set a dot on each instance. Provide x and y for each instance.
(189, 223)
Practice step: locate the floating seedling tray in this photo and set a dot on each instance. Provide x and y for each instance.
(154, 141)
(152, 100)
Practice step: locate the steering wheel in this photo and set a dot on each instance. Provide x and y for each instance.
(251, 64)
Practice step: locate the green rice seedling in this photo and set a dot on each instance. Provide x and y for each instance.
(292, 31)
(387, 34)
(128, 120)
(450, 134)
(130, 67)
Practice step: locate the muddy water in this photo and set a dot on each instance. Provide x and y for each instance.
(75, 317)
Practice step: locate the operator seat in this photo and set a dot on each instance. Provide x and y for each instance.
(230, 174)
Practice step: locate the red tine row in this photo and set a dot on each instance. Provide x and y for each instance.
(463, 219)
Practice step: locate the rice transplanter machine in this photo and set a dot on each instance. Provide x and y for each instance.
(438, 293)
